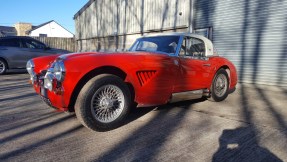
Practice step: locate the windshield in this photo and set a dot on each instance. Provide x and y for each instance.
(161, 44)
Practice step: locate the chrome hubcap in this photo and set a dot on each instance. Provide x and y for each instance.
(107, 103)
(2, 67)
(220, 85)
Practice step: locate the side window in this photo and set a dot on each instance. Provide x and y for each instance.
(147, 46)
(182, 51)
(42, 35)
(29, 43)
(192, 47)
(13, 42)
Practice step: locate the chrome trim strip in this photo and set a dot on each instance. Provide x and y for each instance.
(188, 95)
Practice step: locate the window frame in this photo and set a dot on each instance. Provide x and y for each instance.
(203, 56)
(25, 40)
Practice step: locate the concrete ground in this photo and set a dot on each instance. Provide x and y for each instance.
(250, 125)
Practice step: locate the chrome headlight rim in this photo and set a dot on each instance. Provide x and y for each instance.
(48, 82)
(30, 67)
(59, 70)
(54, 76)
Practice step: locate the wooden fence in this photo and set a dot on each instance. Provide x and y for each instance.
(60, 43)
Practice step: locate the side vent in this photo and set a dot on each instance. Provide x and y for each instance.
(145, 76)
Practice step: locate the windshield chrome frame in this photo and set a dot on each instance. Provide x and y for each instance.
(159, 52)
(178, 46)
(208, 44)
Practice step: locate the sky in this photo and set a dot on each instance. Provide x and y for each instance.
(40, 11)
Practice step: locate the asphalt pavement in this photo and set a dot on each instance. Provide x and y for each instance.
(250, 125)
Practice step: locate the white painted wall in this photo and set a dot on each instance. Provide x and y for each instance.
(52, 29)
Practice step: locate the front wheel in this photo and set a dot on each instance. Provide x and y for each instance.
(3, 67)
(220, 86)
(103, 102)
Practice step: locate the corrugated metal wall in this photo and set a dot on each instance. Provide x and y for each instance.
(106, 18)
(251, 33)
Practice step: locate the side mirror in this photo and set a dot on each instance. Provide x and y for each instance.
(47, 48)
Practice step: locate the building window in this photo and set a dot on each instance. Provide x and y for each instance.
(42, 35)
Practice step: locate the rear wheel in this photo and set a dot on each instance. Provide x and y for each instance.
(3, 67)
(103, 102)
(220, 86)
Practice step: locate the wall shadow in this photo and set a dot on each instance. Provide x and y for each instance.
(278, 117)
(122, 13)
(16, 71)
(34, 129)
(18, 97)
(245, 26)
(31, 146)
(282, 61)
(32, 121)
(11, 88)
(13, 79)
(260, 14)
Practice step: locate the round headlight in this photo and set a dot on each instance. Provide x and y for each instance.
(59, 71)
(48, 81)
(30, 67)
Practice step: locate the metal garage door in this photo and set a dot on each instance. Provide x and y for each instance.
(251, 33)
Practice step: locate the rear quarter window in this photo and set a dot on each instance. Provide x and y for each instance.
(10, 43)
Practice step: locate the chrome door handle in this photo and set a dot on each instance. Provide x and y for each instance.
(206, 64)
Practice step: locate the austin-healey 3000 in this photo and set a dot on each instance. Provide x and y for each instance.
(157, 69)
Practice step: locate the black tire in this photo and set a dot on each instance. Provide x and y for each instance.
(3, 67)
(95, 92)
(219, 92)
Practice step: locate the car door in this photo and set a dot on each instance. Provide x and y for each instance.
(10, 50)
(194, 67)
(34, 48)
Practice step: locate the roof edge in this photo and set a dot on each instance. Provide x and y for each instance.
(41, 25)
(83, 8)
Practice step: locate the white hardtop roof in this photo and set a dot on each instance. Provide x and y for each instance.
(175, 34)
(207, 42)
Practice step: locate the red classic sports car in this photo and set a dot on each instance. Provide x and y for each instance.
(102, 87)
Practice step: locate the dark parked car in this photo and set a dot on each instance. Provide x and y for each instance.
(15, 51)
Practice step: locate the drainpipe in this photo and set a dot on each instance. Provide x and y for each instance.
(191, 16)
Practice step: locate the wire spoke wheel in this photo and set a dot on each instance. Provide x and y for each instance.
(107, 103)
(103, 103)
(2, 66)
(220, 85)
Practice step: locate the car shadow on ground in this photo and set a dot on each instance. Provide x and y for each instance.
(144, 143)
(141, 111)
